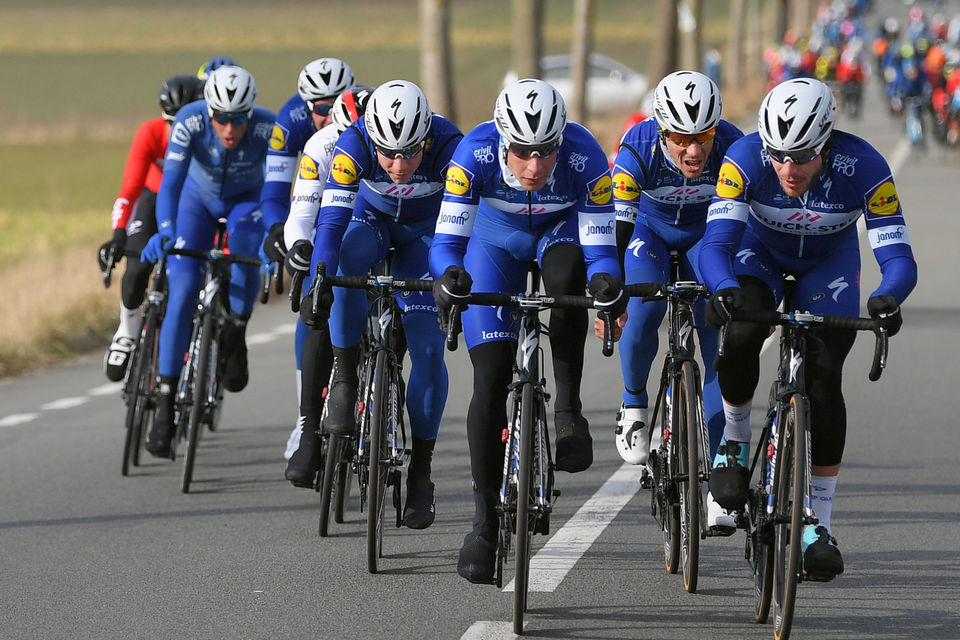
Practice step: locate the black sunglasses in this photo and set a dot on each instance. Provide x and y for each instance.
(525, 152)
(236, 118)
(801, 156)
(406, 153)
(320, 109)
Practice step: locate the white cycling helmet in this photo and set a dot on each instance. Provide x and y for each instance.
(349, 106)
(530, 112)
(687, 102)
(230, 89)
(398, 115)
(324, 78)
(797, 115)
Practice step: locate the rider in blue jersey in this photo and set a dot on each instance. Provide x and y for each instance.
(305, 113)
(663, 179)
(213, 169)
(384, 190)
(526, 186)
(788, 200)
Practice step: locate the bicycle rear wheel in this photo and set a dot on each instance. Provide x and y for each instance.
(791, 497)
(201, 382)
(140, 386)
(691, 495)
(379, 461)
(525, 498)
(329, 489)
(670, 515)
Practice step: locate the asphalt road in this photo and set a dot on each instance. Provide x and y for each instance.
(89, 554)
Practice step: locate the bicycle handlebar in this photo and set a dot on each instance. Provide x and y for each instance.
(214, 255)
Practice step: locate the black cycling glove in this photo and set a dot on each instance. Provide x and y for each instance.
(451, 289)
(273, 244)
(609, 293)
(886, 311)
(115, 246)
(298, 258)
(722, 304)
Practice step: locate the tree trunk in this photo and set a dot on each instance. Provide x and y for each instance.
(733, 72)
(583, 13)
(690, 26)
(436, 57)
(527, 37)
(664, 58)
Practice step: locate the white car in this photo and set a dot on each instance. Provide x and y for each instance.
(611, 86)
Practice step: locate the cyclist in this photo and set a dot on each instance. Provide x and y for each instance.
(213, 169)
(214, 63)
(528, 185)
(134, 220)
(387, 173)
(317, 356)
(788, 200)
(663, 179)
(305, 113)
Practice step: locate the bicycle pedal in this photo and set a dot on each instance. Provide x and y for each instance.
(819, 577)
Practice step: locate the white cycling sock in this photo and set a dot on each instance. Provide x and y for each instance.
(822, 489)
(737, 425)
(129, 323)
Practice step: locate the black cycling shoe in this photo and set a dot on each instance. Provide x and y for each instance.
(420, 510)
(341, 417)
(161, 432)
(574, 444)
(478, 558)
(730, 478)
(304, 464)
(822, 561)
(234, 357)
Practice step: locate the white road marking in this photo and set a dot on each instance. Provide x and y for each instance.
(17, 418)
(65, 403)
(270, 336)
(899, 156)
(106, 389)
(557, 557)
(489, 630)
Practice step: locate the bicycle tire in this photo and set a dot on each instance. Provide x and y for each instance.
(342, 489)
(761, 550)
(137, 400)
(790, 499)
(328, 481)
(670, 521)
(200, 383)
(379, 462)
(525, 523)
(691, 496)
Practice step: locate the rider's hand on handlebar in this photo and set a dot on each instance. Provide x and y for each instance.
(318, 319)
(608, 292)
(886, 311)
(114, 246)
(273, 245)
(451, 288)
(617, 326)
(298, 257)
(723, 303)
(156, 245)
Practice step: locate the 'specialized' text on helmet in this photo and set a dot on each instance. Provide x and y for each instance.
(530, 112)
(398, 115)
(796, 115)
(230, 89)
(349, 106)
(687, 102)
(324, 78)
(177, 91)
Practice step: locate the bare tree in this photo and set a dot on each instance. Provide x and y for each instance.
(583, 13)
(527, 37)
(664, 58)
(733, 70)
(436, 57)
(690, 25)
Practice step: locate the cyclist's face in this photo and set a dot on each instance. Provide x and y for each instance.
(797, 178)
(230, 134)
(692, 159)
(532, 172)
(320, 121)
(400, 170)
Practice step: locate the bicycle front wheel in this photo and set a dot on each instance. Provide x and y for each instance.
(670, 515)
(140, 386)
(333, 460)
(525, 498)
(379, 461)
(690, 423)
(791, 496)
(201, 382)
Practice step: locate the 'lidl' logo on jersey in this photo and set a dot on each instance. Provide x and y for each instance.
(624, 186)
(278, 138)
(308, 168)
(457, 181)
(730, 182)
(343, 170)
(884, 200)
(601, 191)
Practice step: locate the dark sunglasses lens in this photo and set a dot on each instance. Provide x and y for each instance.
(227, 118)
(796, 157)
(406, 153)
(526, 152)
(322, 109)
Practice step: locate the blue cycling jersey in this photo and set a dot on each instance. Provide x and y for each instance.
(355, 169)
(218, 173)
(293, 128)
(484, 200)
(801, 232)
(647, 183)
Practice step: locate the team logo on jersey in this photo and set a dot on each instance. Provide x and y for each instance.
(601, 191)
(278, 138)
(624, 186)
(457, 181)
(308, 168)
(884, 200)
(343, 170)
(730, 182)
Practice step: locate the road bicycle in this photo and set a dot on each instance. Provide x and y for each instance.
(378, 450)
(199, 396)
(527, 488)
(779, 506)
(678, 472)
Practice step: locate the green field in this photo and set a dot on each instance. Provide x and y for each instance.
(81, 75)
